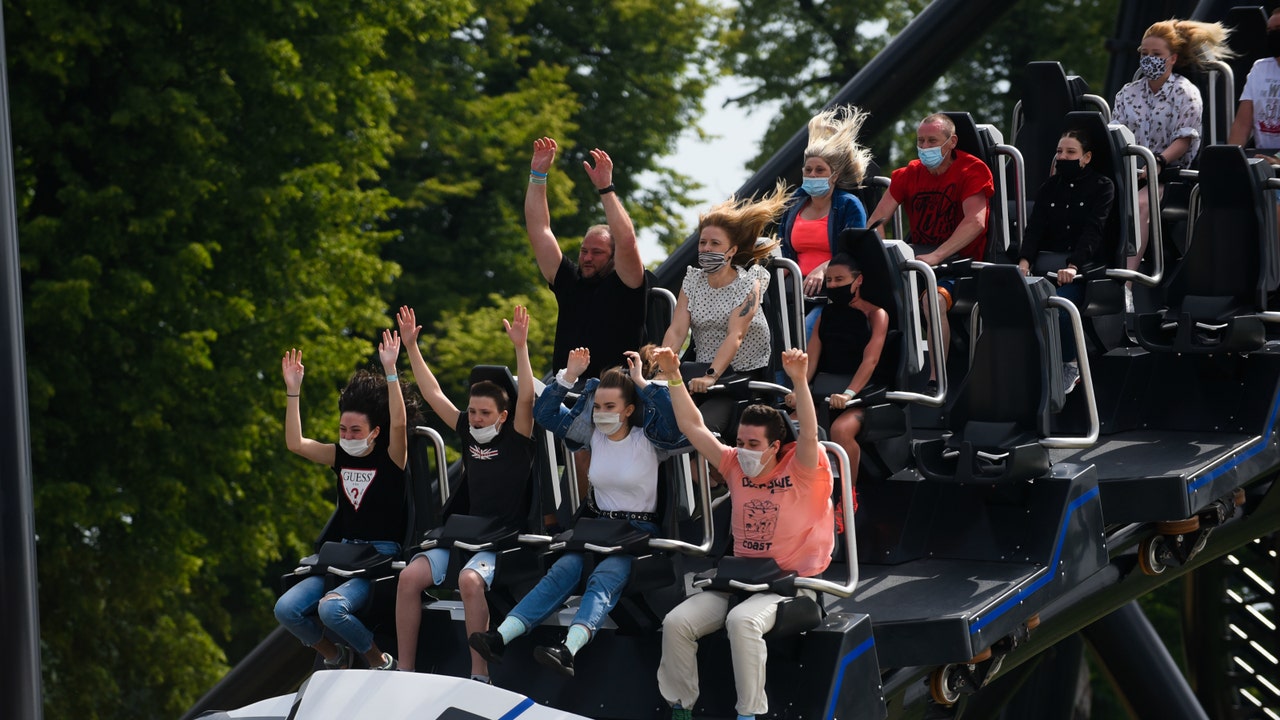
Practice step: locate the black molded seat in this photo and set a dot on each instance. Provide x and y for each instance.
(1213, 293)
(1004, 403)
(1047, 94)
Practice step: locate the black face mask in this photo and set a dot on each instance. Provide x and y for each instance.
(840, 295)
(1067, 169)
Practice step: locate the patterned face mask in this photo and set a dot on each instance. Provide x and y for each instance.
(712, 261)
(1151, 67)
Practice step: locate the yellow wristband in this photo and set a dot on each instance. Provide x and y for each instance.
(675, 383)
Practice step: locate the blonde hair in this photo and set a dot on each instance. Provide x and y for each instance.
(1195, 43)
(744, 221)
(833, 137)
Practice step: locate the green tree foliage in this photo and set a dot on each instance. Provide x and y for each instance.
(623, 76)
(195, 197)
(202, 186)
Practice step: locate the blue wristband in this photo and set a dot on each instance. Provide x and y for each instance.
(535, 173)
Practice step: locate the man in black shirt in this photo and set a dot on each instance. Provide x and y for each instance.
(602, 298)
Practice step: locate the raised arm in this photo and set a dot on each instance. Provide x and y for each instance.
(292, 369)
(687, 416)
(427, 383)
(537, 217)
(626, 252)
(398, 442)
(739, 321)
(518, 331)
(796, 364)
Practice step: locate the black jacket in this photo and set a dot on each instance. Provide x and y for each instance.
(1069, 217)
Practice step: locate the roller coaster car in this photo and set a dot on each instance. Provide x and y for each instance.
(986, 521)
(1213, 295)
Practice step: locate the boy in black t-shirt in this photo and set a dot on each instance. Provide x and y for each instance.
(498, 458)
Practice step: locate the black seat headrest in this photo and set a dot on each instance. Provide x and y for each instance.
(497, 374)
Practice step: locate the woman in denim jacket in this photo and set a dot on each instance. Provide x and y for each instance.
(631, 429)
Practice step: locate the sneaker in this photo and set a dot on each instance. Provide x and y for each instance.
(342, 662)
(388, 662)
(679, 713)
(489, 644)
(1070, 377)
(556, 657)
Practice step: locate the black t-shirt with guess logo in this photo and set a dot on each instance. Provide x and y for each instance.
(370, 497)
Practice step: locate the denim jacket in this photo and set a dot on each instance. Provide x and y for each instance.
(575, 424)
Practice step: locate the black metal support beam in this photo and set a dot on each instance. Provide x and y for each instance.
(885, 87)
(20, 694)
(1141, 666)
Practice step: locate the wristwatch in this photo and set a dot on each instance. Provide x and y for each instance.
(711, 372)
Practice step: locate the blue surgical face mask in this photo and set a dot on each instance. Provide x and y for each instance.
(817, 186)
(930, 157)
(1151, 67)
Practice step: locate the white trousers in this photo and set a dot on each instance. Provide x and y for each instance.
(702, 614)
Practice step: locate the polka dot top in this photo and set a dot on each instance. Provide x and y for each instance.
(709, 310)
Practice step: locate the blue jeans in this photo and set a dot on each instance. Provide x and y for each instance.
(604, 588)
(302, 613)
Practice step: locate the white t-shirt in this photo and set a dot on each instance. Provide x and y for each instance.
(1263, 90)
(624, 474)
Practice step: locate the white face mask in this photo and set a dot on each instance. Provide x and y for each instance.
(751, 461)
(357, 448)
(486, 434)
(607, 422)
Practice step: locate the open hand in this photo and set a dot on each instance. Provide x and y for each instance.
(409, 327)
(602, 174)
(389, 350)
(544, 153)
(292, 369)
(579, 359)
(518, 328)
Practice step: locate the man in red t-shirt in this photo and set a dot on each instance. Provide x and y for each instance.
(781, 500)
(945, 193)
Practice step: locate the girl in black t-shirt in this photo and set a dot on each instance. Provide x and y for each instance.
(369, 460)
(497, 457)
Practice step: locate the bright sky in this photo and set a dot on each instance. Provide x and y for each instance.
(719, 163)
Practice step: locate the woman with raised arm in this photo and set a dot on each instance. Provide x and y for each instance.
(720, 299)
(369, 460)
(844, 350)
(1163, 109)
(630, 427)
(497, 460)
(823, 206)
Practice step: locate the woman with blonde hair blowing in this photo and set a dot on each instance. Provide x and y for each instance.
(1162, 108)
(720, 299)
(822, 206)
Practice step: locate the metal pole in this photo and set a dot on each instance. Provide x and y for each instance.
(1141, 666)
(20, 694)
